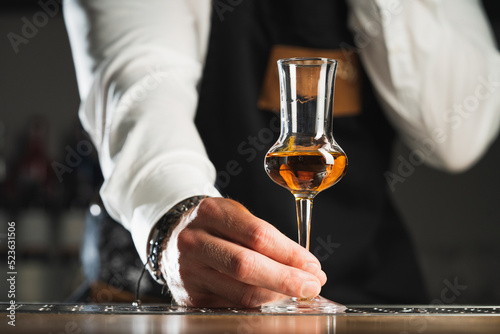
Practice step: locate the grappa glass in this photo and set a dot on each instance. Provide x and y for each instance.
(306, 159)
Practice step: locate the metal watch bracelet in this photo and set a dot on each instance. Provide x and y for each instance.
(162, 231)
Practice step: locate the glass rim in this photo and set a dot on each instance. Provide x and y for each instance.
(301, 61)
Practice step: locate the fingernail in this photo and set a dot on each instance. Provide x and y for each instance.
(311, 267)
(310, 289)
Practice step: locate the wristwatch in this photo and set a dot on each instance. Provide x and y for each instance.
(162, 230)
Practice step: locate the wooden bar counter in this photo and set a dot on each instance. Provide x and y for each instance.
(123, 318)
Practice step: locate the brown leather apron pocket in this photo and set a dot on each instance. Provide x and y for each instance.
(347, 100)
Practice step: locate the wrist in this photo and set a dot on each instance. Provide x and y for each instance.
(161, 233)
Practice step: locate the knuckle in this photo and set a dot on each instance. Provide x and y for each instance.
(287, 284)
(186, 240)
(260, 237)
(294, 256)
(244, 265)
(209, 206)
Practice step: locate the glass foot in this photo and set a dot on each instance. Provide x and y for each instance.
(317, 304)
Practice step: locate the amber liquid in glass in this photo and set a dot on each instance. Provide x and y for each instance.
(306, 171)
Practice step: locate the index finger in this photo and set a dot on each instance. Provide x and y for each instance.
(237, 224)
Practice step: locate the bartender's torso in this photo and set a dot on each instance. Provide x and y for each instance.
(356, 233)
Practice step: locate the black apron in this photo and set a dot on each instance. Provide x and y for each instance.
(356, 233)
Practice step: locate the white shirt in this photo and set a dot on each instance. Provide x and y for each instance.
(434, 65)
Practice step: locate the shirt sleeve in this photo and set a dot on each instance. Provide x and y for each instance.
(436, 69)
(138, 64)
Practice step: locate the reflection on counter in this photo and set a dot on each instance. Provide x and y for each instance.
(168, 319)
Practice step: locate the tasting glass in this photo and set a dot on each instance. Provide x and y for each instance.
(306, 159)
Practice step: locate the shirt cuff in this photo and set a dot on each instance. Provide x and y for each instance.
(157, 194)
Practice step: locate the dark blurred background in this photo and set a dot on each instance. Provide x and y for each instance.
(49, 175)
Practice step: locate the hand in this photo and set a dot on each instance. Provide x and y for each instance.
(220, 255)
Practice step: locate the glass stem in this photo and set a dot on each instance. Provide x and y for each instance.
(304, 210)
